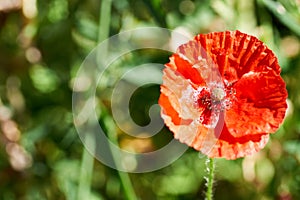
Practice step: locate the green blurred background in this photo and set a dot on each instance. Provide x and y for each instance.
(42, 45)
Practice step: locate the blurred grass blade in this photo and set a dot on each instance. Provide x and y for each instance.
(283, 15)
(112, 136)
(87, 28)
(86, 171)
(87, 164)
(104, 21)
(87, 158)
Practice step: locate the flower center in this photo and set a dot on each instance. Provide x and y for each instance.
(218, 94)
(212, 101)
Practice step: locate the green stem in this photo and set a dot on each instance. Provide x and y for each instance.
(210, 179)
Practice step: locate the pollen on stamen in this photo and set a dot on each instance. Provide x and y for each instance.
(218, 94)
(211, 101)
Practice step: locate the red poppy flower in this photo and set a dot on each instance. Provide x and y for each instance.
(222, 94)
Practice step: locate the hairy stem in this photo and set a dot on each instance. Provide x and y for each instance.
(210, 166)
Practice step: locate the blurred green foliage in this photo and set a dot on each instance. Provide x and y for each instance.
(42, 45)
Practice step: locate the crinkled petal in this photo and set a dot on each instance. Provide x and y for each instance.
(176, 101)
(185, 69)
(220, 143)
(259, 106)
(237, 53)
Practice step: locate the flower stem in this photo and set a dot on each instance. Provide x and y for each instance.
(210, 166)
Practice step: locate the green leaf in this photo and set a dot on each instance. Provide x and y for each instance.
(283, 15)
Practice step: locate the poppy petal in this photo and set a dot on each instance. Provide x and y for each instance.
(185, 69)
(259, 105)
(237, 53)
(177, 106)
